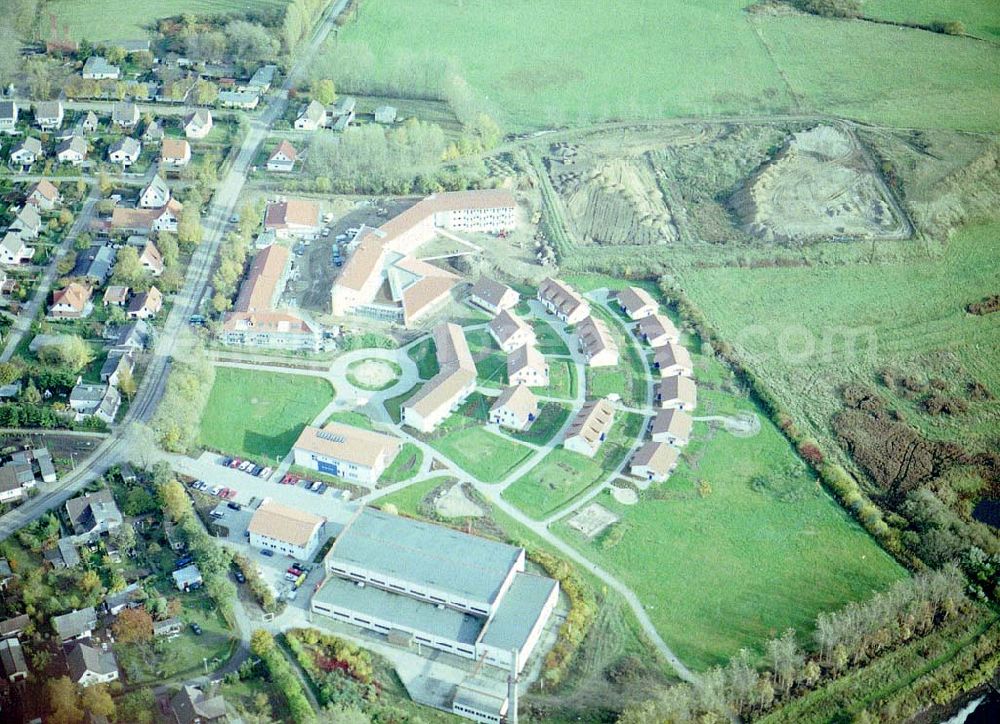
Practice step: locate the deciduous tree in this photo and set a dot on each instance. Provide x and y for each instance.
(133, 625)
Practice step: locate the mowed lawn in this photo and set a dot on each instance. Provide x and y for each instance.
(260, 414)
(562, 474)
(735, 567)
(480, 453)
(131, 19)
(808, 331)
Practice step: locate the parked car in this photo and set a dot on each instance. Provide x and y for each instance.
(326, 232)
(225, 461)
(196, 629)
(215, 489)
(322, 488)
(267, 552)
(234, 506)
(266, 473)
(240, 578)
(235, 463)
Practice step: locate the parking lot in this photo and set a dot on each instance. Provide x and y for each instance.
(273, 569)
(249, 490)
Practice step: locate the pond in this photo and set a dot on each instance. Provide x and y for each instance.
(987, 511)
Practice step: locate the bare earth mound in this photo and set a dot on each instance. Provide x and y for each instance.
(611, 201)
(819, 186)
(455, 504)
(592, 520)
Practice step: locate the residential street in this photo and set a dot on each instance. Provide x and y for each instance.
(30, 311)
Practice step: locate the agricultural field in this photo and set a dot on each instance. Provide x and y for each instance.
(534, 68)
(981, 19)
(562, 475)
(133, 18)
(862, 318)
(896, 77)
(743, 540)
(260, 414)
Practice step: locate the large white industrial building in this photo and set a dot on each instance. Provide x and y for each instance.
(434, 586)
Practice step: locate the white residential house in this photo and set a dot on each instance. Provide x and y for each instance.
(385, 114)
(283, 159)
(672, 427)
(285, 530)
(151, 259)
(88, 665)
(28, 222)
(100, 401)
(312, 117)
(72, 151)
(672, 359)
(125, 151)
(637, 303)
(563, 301)
(654, 461)
(510, 331)
(49, 115)
(155, 195)
(13, 250)
(26, 151)
(8, 117)
(98, 68)
(590, 427)
(527, 366)
(125, 115)
(493, 296)
(516, 408)
(197, 125)
(44, 195)
(175, 152)
(89, 123)
(657, 330)
(597, 343)
(676, 393)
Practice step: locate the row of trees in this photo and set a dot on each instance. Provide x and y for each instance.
(239, 41)
(233, 255)
(262, 645)
(175, 423)
(847, 638)
(373, 158)
(300, 17)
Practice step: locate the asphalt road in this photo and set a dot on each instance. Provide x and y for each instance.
(28, 314)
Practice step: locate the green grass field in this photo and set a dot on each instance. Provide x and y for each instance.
(746, 561)
(980, 18)
(351, 417)
(546, 63)
(562, 379)
(389, 365)
(551, 417)
(260, 414)
(131, 19)
(549, 341)
(896, 76)
(905, 314)
(408, 499)
(562, 474)
(404, 467)
(487, 456)
(422, 355)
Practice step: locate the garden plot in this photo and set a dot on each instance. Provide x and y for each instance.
(820, 185)
(454, 503)
(610, 201)
(592, 520)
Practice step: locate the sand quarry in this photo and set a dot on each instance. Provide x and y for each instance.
(819, 186)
